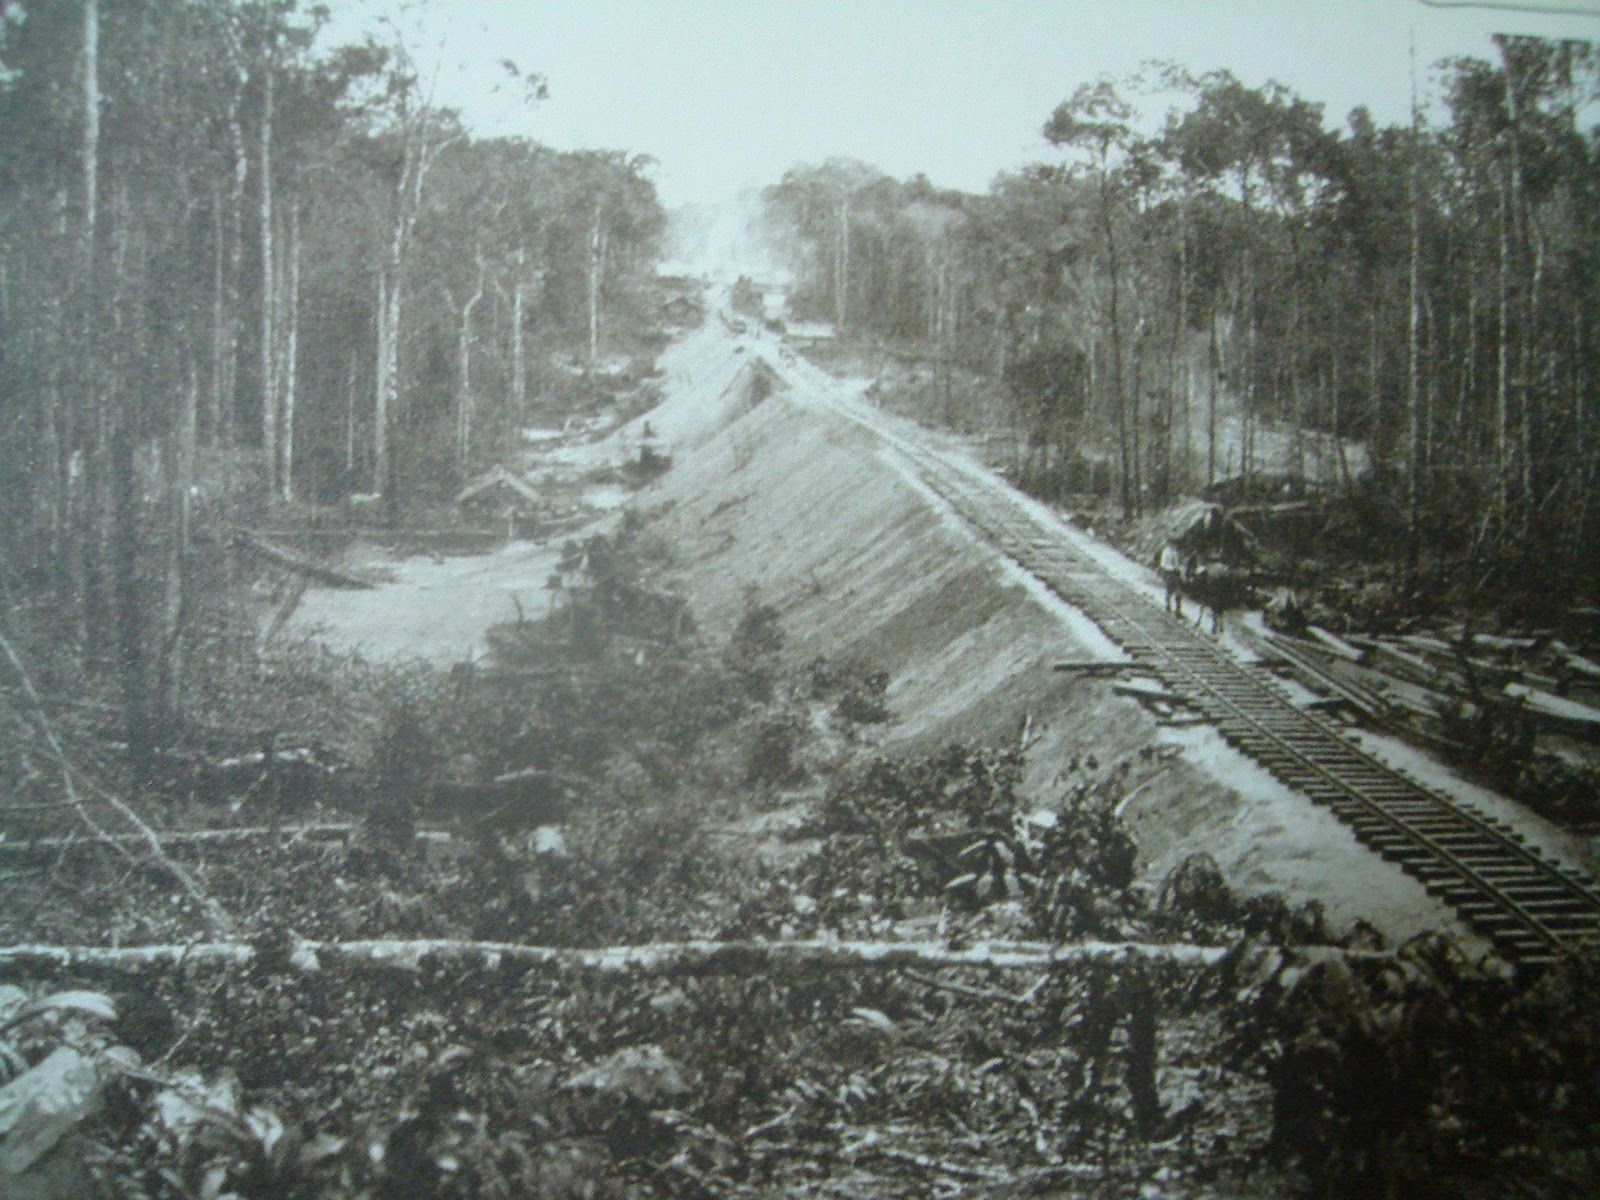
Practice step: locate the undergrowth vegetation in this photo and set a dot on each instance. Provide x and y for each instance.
(611, 775)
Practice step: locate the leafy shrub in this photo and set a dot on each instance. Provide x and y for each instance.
(753, 650)
(857, 692)
(1427, 1074)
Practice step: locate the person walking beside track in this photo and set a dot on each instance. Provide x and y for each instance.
(1170, 564)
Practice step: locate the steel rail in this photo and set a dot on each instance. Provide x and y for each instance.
(1533, 911)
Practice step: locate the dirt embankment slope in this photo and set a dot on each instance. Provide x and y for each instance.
(774, 494)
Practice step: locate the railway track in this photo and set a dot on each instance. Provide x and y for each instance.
(1534, 911)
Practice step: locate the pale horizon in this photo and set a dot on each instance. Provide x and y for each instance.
(727, 94)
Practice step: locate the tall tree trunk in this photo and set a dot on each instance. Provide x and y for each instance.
(597, 257)
(291, 353)
(1119, 398)
(91, 124)
(1374, 361)
(179, 518)
(1588, 462)
(82, 429)
(842, 277)
(350, 418)
(1213, 371)
(1179, 367)
(1529, 393)
(464, 375)
(269, 294)
(383, 390)
(1338, 434)
(1502, 392)
(519, 365)
(225, 352)
(1413, 361)
(132, 660)
(418, 150)
(219, 316)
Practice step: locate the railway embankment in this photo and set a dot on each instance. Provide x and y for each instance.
(781, 491)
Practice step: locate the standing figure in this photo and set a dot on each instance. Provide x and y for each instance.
(1170, 564)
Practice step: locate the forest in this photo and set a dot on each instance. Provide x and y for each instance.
(1207, 284)
(636, 903)
(239, 274)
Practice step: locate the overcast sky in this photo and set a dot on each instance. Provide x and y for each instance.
(727, 94)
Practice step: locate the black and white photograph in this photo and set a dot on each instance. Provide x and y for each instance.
(745, 599)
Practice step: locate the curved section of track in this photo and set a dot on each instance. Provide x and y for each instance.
(1533, 910)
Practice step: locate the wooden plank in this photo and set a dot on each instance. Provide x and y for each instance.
(1099, 667)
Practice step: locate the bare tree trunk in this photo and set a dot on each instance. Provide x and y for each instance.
(1502, 394)
(1413, 360)
(384, 386)
(269, 294)
(219, 318)
(519, 365)
(181, 479)
(1136, 408)
(91, 124)
(291, 353)
(225, 350)
(1583, 438)
(1119, 398)
(597, 255)
(81, 430)
(1374, 399)
(350, 417)
(842, 279)
(1338, 428)
(1526, 370)
(464, 374)
(1213, 369)
(419, 152)
(1179, 367)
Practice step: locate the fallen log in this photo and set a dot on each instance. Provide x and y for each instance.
(1504, 644)
(1576, 662)
(1569, 714)
(1334, 644)
(243, 833)
(293, 562)
(1414, 668)
(332, 831)
(666, 958)
(1321, 678)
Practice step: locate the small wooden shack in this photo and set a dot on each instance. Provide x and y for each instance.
(502, 498)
